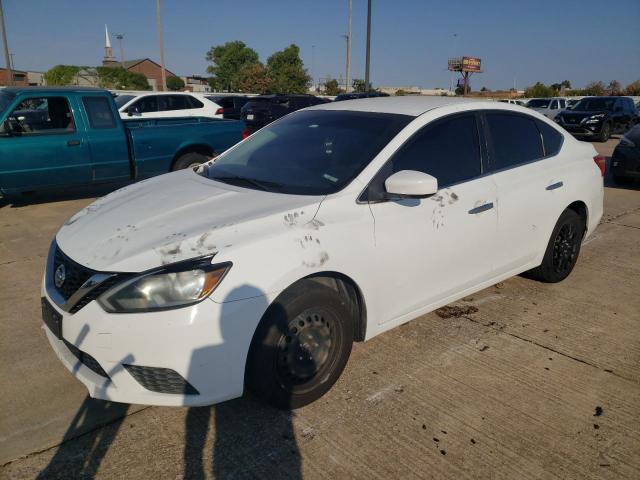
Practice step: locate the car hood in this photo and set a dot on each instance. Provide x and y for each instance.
(581, 114)
(175, 217)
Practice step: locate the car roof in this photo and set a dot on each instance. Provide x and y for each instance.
(45, 89)
(405, 105)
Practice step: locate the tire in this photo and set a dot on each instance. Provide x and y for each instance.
(605, 132)
(563, 249)
(301, 346)
(189, 160)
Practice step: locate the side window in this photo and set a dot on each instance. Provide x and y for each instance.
(147, 104)
(194, 102)
(515, 139)
(173, 102)
(563, 103)
(554, 105)
(551, 138)
(448, 150)
(226, 103)
(42, 115)
(99, 112)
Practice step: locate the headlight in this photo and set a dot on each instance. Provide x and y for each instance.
(174, 286)
(595, 118)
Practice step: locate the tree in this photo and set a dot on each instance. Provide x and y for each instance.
(61, 74)
(228, 60)
(633, 88)
(175, 83)
(400, 92)
(255, 78)
(594, 88)
(459, 90)
(556, 87)
(288, 72)
(614, 88)
(539, 90)
(331, 87)
(484, 89)
(120, 78)
(358, 85)
(565, 84)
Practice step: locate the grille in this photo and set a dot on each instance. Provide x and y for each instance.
(86, 360)
(75, 274)
(161, 380)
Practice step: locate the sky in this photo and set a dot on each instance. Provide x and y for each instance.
(519, 41)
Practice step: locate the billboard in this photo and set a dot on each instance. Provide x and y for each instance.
(470, 64)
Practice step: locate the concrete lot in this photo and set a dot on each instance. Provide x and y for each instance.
(542, 382)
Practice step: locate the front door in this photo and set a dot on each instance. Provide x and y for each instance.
(44, 146)
(435, 248)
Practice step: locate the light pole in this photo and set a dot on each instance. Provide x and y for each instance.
(367, 85)
(313, 67)
(164, 73)
(7, 58)
(455, 37)
(349, 50)
(120, 37)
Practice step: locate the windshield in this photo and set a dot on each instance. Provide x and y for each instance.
(5, 100)
(593, 104)
(315, 152)
(121, 100)
(539, 103)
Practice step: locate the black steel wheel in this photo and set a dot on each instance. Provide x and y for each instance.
(562, 250)
(301, 345)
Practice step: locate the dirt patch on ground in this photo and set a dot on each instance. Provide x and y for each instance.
(455, 311)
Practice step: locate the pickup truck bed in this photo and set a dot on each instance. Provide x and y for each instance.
(60, 137)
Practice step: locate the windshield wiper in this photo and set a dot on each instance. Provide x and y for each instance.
(260, 184)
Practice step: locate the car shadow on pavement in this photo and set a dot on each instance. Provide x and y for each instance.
(250, 438)
(52, 196)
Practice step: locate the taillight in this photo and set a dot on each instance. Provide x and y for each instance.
(245, 133)
(601, 162)
(220, 111)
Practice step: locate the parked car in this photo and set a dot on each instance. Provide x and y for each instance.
(572, 102)
(549, 107)
(599, 117)
(81, 140)
(166, 105)
(357, 95)
(264, 109)
(328, 226)
(514, 102)
(230, 105)
(625, 161)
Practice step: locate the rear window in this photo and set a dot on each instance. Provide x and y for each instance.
(515, 139)
(122, 100)
(99, 112)
(551, 139)
(195, 103)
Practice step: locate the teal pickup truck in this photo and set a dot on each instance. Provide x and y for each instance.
(58, 137)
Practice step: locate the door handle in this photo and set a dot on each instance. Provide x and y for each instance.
(73, 143)
(481, 208)
(553, 186)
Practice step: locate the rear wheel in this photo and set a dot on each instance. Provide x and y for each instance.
(301, 346)
(563, 249)
(189, 160)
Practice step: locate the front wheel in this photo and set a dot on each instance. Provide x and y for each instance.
(301, 346)
(563, 249)
(605, 133)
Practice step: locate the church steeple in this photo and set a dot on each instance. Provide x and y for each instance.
(108, 59)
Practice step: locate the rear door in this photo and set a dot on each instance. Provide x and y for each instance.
(441, 245)
(107, 139)
(531, 178)
(46, 146)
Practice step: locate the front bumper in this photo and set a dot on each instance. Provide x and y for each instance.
(625, 162)
(583, 130)
(205, 344)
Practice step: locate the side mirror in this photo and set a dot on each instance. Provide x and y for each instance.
(131, 111)
(411, 184)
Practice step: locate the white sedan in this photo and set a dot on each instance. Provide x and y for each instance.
(329, 226)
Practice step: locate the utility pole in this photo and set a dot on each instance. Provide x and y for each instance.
(7, 58)
(367, 85)
(164, 73)
(120, 36)
(313, 67)
(349, 51)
